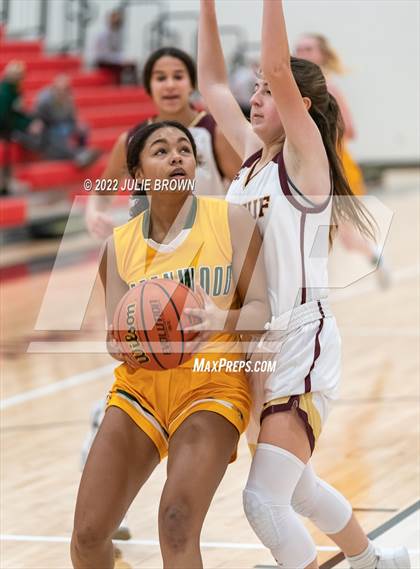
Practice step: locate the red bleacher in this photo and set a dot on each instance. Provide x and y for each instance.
(13, 212)
(40, 62)
(17, 48)
(107, 109)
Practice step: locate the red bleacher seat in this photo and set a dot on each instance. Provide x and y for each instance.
(16, 153)
(18, 48)
(57, 174)
(56, 63)
(100, 96)
(105, 138)
(127, 115)
(37, 79)
(13, 212)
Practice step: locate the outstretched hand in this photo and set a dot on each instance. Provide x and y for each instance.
(99, 225)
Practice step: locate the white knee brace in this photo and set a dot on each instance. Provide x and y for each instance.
(267, 504)
(321, 503)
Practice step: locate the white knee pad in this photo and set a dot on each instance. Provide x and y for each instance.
(267, 504)
(321, 503)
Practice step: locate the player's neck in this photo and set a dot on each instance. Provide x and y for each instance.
(169, 216)
(185, 117)
(269, 151)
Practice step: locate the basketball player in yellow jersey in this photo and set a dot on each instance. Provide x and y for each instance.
(195, 418)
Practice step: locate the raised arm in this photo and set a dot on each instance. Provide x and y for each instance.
(214, 87)
(227, 159)
(98, 222)
(304, 146)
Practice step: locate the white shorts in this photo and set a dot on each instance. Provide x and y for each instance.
(305, 346)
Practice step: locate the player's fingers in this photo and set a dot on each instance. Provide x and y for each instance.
(203, 295)
(104, 229)
(197, 327)
(196, 312)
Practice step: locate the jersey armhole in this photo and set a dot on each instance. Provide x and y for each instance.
(284, 185)
(209, 124)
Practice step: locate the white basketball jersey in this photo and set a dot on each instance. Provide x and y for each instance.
(294, 230)
(209, 178)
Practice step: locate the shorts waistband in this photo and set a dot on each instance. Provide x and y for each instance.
(300, 315)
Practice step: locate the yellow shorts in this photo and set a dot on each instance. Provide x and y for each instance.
(353, 173)
(158, 402)
(312, 408)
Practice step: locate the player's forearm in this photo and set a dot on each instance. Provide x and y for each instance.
(211, 63)
(275, 54)
(99, 203)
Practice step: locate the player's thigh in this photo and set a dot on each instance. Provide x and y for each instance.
(286, 430)
(199, 453)
(121, 459)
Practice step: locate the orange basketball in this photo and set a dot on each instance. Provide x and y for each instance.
(150, 321)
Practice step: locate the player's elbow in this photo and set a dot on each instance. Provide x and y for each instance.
(275, 69)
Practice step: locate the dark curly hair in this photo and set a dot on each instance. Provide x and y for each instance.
(135, 147)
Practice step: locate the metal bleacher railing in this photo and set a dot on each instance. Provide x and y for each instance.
(76, 16)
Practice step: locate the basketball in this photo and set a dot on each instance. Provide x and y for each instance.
(150, 321)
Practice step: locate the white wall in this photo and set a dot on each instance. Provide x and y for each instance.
(377, 39)
(379, 44)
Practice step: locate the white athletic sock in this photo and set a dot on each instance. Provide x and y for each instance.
(365, 560)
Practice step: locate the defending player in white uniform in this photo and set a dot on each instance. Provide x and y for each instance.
(296, 259)
(289, 180)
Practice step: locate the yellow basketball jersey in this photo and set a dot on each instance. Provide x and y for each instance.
(353, 172)
(200, 254)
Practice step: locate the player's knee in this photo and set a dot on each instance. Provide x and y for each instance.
(304, 505)
(328, 509)
(334, 510)
(269, 521)
(176, 525)
(279, 529)
(88, 537)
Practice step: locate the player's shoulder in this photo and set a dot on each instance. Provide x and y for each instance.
(212, 203)
(130, 226)
(206, 121)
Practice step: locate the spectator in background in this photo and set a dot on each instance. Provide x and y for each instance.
(109, 53)
(62, 137)
(15, 124)
(242, 82)
(13, 118)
